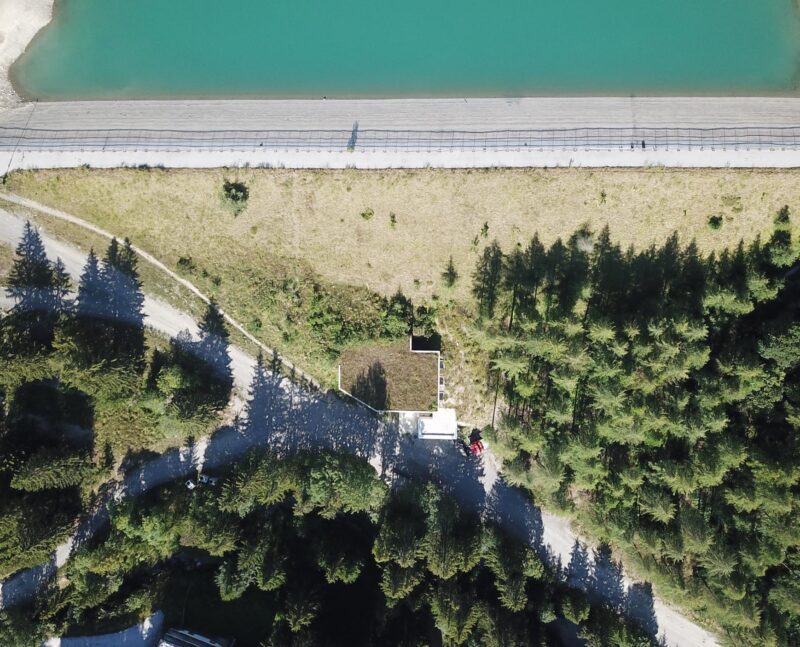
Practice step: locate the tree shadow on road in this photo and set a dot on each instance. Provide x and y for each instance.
(286, 418)
(601, 578)
(511, 509)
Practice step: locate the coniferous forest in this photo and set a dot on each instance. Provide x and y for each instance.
(305, 548)
(314, 549)
(656, 393)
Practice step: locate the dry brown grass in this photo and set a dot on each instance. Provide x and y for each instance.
(302, 224)
(315, 216)
(156, 282)
(391, 377)
(6, 259)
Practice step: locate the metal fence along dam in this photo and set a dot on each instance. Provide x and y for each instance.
(356, 139)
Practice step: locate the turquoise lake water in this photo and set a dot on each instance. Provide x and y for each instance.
(298, 48)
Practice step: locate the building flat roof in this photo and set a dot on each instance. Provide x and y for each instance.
(391, 377)
(442, 424)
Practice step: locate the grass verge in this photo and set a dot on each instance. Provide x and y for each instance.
(303, 234)
(6, 259)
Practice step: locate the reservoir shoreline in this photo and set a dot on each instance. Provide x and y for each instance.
(19, 24)
(87, 54)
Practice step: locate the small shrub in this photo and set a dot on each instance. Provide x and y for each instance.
(235, 196)
(186, 263)
(715, 222)
(485, 230)
(603, 197)
(235, 191)
(392, 220)
(368, 213)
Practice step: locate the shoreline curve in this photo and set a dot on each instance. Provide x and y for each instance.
(20, 22)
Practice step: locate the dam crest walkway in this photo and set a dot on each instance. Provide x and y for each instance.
(405, 133)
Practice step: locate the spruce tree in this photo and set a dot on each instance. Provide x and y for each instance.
(32, 286)
(660, 389)
(487, 279)
(62, 285)
(450, 274)
(213, 355)
(125, 303)
(267, 401)
(514, 277)
(91, 310)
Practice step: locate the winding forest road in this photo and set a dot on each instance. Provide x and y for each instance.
(159, 315)
(158, 306)
(301, 419)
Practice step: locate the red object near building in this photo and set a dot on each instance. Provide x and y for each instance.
(476, 448)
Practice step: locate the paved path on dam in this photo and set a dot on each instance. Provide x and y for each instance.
(413, 114)
(405, 133)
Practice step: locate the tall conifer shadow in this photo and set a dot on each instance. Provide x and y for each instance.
(640, 606)
(512, 509)
(371, 387)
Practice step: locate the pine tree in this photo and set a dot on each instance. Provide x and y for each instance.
(91, 310)
(32, 286)
(125, 304)
(488, 278)
(214, 358)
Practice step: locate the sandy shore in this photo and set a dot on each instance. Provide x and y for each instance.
(20, 20)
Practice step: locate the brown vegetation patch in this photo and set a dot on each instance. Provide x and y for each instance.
(307, 227)
(6, 260)
(391, 377)
(316, 217)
